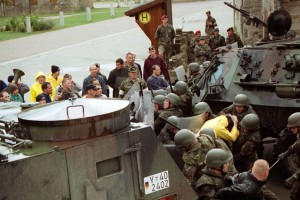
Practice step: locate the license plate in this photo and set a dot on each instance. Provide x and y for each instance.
(156, 182)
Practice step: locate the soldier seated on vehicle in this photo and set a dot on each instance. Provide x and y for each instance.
(216, 40)
(293, 181)
(171, 107)
(233, 37)
(214, 174)
(195, 40)
(158, 104)
(239, 108)
(247, 185)
(246, 145)
(182, 90)
(202, 51)
(167, 134)
(129, 82)
(195, 150)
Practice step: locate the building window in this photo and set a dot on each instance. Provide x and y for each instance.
(53, 2)
(10, 2)
(33, 2)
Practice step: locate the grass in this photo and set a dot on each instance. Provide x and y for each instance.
(71, 20)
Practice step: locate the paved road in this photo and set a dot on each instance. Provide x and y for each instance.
(74, 49)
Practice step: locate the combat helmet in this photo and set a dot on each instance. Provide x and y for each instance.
(215, 158)
(294, 120)
(159, 99)
(168, 89)
(181, 87)
(250, 121)
(174, 99)
(184, 138)
(194, 67)
(208, 131)
(172, 120)
(241, 100)
(201, 108)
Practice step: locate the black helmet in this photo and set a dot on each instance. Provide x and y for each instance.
(250, 121)
(294, 120)
(215, 158)
(201, 108)
(241, 100)
(184, 138)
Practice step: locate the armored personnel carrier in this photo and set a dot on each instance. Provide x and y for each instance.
(80, 149)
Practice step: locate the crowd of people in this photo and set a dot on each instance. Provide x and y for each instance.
(225, 147)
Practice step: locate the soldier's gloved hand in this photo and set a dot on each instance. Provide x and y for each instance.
(289, 182)
(282, 156)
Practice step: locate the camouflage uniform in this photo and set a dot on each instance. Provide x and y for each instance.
(295, 191)
(165, 35)
(128, 83)
(186, 104)
(193, 79)
(244, 149)
(160, 123)
(194, 158)
(234, 38)
(216, 42)
(209, 29)
(202, 53)
(209, 184)
(231, 110)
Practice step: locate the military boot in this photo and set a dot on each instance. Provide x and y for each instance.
(289, 182)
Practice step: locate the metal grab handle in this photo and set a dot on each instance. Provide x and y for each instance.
(75, 106)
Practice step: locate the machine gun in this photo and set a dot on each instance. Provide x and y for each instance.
(250, 19)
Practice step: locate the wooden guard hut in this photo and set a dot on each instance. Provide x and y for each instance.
(148, 16)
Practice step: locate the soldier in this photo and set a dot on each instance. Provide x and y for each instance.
(239, 108)
(194, 71)
(216, 40)
(129, 82)
(158, 102)
(214, 174)
(219, 143)
(203, 108)
(293, 181)
(195, 150)
(246, 145)
(247, 185)
(210, 24)
(202, 51)
(165, 35)
(185, 95)
(167, 134)
(193, 43)
(171, 107)
(233, 37)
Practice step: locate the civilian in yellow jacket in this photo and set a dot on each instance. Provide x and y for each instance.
(36, 88)
(54, 79)
(225, 127)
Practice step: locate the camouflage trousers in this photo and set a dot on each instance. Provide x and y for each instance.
(295, 191)
(165, 51)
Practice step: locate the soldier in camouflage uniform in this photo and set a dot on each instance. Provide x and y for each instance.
(216, 40)
(214, 174)
(194, 73)
(158, 102)
(293, 181)
(246, 145)
(202, 51)
(171, 108)
(203, 108)
(193, 43)
(233, 37)
(210, 24)
(239, 108)
(167, 134)
(165, 35)
(185, 96)
(129, 82)
(195, 150)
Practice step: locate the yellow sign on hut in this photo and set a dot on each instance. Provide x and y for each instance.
(144, 17)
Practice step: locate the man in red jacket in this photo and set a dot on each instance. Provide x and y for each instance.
(154, 59)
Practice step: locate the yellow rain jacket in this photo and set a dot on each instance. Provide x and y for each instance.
(36, 88)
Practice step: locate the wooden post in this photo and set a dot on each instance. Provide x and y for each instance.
(28, 25)
(61, 19)
(88, 14)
